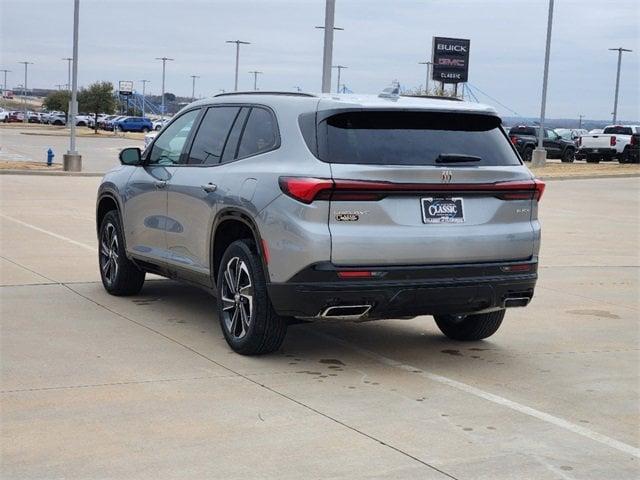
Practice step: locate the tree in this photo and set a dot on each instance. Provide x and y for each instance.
(57, 101)
(169, 97)
(97, 98)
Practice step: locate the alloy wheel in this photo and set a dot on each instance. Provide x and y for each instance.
(109, 253)
(237, 298)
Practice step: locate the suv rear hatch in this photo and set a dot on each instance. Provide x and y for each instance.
(424, 187)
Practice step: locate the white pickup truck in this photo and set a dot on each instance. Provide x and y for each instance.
(615, 141)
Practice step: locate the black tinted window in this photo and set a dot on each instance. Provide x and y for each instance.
(211, 137)
(259, 133)
(618, 130)
(412, 138)
(523, 131)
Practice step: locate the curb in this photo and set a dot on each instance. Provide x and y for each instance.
(51, 173)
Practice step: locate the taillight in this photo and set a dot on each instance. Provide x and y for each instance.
(305, 189)
(540, 186)
(634, 140)
(355, 274)
(612, 140)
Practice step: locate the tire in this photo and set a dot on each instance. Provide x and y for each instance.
(119, 128)
(158, 127)
(625, 156)
(145, 130)
(120, 276)
(568, 156)
(527, 154)
(264, 330)
(593, 159)
(81, 124)
(470, 328)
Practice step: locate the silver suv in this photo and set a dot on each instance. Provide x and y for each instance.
(297, 206)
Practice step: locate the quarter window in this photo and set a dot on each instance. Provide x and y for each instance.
(259, 133)
(210, 140)
(168, 146)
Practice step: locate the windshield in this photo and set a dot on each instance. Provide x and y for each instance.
(413, 138)
(619, 130)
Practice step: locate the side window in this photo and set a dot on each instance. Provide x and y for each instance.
(231, 147)
(259, 133)
(212, 134)
(168, 146)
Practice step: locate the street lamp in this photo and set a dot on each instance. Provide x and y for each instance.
(5, 77)
(615, 102)
(144, 85)
(24, 90)
(238, 43)
(540, 154)
(69, 60)
(426, 81)
(193, 87)
(255, 74)
(72, 161)
(327, 54)
(164, 64)
(339, 67)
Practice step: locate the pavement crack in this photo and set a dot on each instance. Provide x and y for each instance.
(269, 389)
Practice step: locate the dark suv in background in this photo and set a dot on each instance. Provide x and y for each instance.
(525, 139)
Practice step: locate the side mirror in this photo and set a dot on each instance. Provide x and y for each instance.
(131, 156)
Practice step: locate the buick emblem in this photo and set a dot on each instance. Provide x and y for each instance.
(446, 176)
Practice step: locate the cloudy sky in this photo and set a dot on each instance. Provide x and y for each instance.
(383, 40)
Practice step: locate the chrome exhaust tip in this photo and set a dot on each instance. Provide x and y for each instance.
(517, 302)
(345, 312)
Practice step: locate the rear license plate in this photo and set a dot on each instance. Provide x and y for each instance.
(595, 150)
(442, 210)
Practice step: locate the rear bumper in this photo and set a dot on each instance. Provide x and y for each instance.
(407, 291)
(603, 152)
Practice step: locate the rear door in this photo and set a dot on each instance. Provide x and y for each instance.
(415, 188)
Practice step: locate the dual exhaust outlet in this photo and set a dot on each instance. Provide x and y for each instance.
(345, 312)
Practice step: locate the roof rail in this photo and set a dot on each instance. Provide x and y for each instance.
(259, 92)
(434, 97)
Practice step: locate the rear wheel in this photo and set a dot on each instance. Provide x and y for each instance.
(145, 130)
(249, 323)
(593, 159)
(120, 276)
(569, 155)
(470, 327)
(527, 154)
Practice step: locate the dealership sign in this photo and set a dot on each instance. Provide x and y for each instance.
(125, 87)
(450, 59)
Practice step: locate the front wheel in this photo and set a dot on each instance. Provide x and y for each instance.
(249, 323)
(120, 276)
(569, 155)
(527, 154)
(469, 328)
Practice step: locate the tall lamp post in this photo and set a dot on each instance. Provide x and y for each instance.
(238, 43)
(327, 54)
(68, 60)
(255, 74)
(72, 161)
(193, 87)
(164, 68)
(24, 90)
(339, 68)
(615, 102)
(539, 153)
(426, 80)
(5, 77)
(144, 91)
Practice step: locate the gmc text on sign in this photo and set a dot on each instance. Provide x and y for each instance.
(450, 59)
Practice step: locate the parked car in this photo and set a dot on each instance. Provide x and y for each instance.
(572, 134)
(110, 124)
(618, 142)
(327, 207)
(83, 120)
(148, 138)
(134, 124)
(58, 118)
(102, 123)
(525, 139)
(4, 115)
(15, 116)
(159, 123)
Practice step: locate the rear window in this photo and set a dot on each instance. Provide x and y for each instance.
(618, 130)
(412, 138)
(523, 131)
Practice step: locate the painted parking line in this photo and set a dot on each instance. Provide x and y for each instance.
(47, 232)
(505, 402)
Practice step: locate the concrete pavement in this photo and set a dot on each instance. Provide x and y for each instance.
(95, 386)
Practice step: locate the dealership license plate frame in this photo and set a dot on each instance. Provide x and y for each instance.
(432, 219)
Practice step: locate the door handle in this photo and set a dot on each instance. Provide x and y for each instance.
(161, 184)
(209, 187)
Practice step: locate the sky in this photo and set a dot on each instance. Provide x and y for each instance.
(382, 41)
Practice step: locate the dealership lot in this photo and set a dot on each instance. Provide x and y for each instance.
(95, 386)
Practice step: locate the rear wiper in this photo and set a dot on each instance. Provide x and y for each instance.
(456, 158)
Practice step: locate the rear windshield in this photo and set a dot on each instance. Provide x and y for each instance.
(522, 131)
(413, 138)
(618, 130)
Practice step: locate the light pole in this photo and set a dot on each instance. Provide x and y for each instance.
(238, 43)
(60, 85)
(580, 117)
(72, 161)
(24, 90)
(255, 74)
(426, 80)
(144, 91)
(615, 102)
(5, 77)
(540, 154)
(327, 54)
(164, 65)
(339, 67)
(69, 60)
(193, 87)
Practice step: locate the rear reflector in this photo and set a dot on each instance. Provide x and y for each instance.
(265, 251)
(524, 267)
(355, 274)
(306, 189)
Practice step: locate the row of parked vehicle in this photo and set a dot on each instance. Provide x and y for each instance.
(124, 123)
(615, 142)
